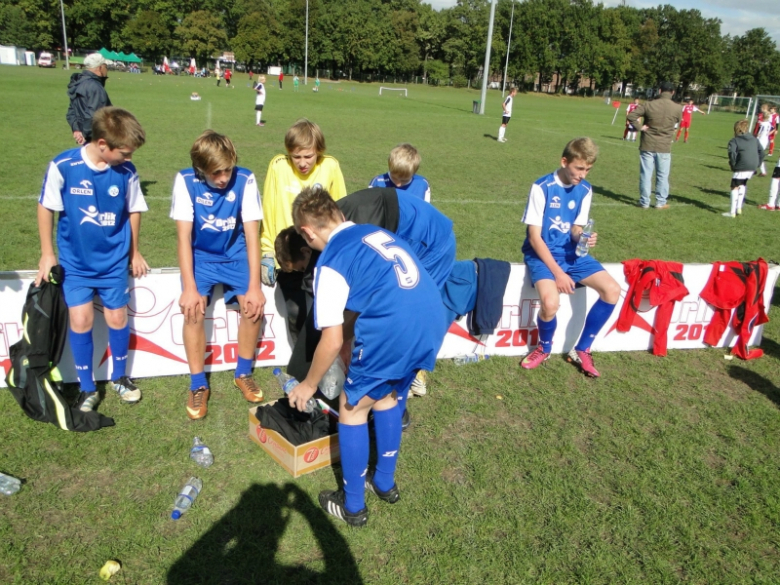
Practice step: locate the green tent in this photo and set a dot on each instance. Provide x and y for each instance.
(133, 58)
(121, 56)
(107, 54)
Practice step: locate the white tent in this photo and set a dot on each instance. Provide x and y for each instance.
(11, 55)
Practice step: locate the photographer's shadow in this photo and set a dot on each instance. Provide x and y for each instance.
(242, 546)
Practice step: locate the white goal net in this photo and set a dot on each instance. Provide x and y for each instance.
(760, 100)
(729, 104)
(401, 90)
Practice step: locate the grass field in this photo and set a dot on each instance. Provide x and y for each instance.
(662, 471)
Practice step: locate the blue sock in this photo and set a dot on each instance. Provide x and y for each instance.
(596, 319)
(402, 397)
(244, 367)
(119, 342)
(198, 381)
(546, 333)
(387, 424)
(353, 443)
(82, 348)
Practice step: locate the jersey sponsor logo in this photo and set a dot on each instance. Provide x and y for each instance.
(86, 188)
(231, 196)
(77, 163)
(91, 215)
(205, 200)
(560, 225)
(113, 190)
(572, 204)
(218, 225)
(555, 203)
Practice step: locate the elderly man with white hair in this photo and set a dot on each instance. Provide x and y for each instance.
(87, 95)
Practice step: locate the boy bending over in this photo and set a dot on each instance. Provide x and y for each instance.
(402, 164)
(558, 208)
(366, 270)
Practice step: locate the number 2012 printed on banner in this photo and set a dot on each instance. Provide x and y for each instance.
(517, 338)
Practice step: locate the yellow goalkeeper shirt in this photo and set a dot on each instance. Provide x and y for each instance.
(283, 182)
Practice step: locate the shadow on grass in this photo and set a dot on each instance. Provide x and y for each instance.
(696, 203)
(724, 169)
(242, 546)
(616, 196)
(756, 382)
(145, 187)
(490, 136)
(438, 105)
(771, 348)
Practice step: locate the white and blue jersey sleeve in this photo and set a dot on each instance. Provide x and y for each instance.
(381, 181)
(418, 186)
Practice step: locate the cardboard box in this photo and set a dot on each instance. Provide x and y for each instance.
(297, 460)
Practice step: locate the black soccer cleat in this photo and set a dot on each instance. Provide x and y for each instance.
(333, 503)
(391, 496)
(406, 420)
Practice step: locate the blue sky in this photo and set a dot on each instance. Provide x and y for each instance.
(737, 16)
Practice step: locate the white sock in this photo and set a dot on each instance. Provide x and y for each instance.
(763, 169)
(734, 200)
(501, 131)
(774, 186)
(258, 115)
(742, 191)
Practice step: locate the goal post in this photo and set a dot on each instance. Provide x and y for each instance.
(758, 101)
(402, 90)
(730, 104)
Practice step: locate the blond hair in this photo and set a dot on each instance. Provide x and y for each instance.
(403, 162)
(212, 152)
(741, 127)
(118, 127)
(581, 148)
(305, 134)
(315, 207)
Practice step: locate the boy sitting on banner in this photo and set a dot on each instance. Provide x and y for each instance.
(217, 210)
(368, 271)
(557, 209)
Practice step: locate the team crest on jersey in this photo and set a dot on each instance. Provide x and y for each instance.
(231, 197)
(205, 200)
(91, 215)
(572, 204)
(218, 225)
(561, 226)
(113, 190)
(555, 203)
(85, 189)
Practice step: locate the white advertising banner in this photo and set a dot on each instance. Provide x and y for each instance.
(157, 348)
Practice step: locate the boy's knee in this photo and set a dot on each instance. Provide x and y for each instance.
(611, 292)
(550, 306)
(116, 319)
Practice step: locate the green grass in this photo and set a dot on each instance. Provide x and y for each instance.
(663, 471)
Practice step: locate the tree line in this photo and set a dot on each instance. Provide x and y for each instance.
(569, 44)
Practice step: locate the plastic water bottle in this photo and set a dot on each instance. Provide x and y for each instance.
(287, 383)
(582, 245)
(9, 485)
(332, 382)
(469, 358)
(201, 454)
(186, 497)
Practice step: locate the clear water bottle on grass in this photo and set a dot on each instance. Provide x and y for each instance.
(186, 497)
(582, 245)
(469, 358)
(200, 453)
(287, 382)
(9, 485)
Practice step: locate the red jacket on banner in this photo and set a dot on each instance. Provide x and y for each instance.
(663, 281)
(736, 285)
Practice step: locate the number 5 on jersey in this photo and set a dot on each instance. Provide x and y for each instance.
(405, 268)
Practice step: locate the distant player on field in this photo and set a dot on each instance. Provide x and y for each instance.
(745, 155)
(774, 186)
(259, 88)
(97, 193)
(557, 209)
(630, 132)
(687, 113)
(373, 274)
(402, 164)
(764, 135)
(216, 206)
(507, 115)
(774, 117)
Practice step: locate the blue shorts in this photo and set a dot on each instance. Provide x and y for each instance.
(82, 291)
(233, 276)
(578, 269)
(356, 386)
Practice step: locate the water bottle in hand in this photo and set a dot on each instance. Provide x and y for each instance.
(200, 453)
(186, 497)
(582, 245)
(9, 485)
(287, 383)
(469, 358)
(332, 382)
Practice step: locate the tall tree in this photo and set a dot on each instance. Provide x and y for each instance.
(201, 35)
(148, 34)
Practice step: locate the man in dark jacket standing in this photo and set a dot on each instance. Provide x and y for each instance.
(661, 117)
(87, 95)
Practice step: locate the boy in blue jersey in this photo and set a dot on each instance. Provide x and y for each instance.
(369, 272)
(557, 209)
(97, 193)
(217, 210)
(403, 162)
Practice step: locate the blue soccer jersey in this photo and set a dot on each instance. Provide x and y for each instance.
(401, 322)
(217, 215)
(429, 233)
(94, 205)
(556, 207)
(418, 186)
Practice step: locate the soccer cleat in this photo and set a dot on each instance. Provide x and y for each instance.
(406, 420)
(419, 386)
(739, 211)
(502, 139)
(534, 359)
(391, 496)
(585, 360)
(767, 207)
(198, 403)
(333, 503)
(248, 387)
(128, 392)
(729, 214)
(88, 401)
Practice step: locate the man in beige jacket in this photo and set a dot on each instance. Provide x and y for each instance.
(661, 117)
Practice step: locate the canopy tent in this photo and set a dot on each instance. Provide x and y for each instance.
(133, 58)
(108, 54)
(121, 56)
